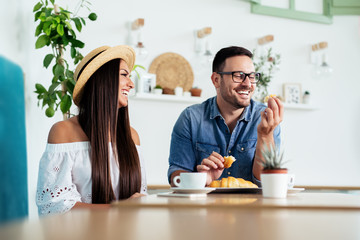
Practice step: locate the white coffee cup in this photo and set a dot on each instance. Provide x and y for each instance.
(191, 180)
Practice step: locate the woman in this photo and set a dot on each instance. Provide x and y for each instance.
(92, 159)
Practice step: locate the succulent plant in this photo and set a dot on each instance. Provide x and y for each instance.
(272, 158)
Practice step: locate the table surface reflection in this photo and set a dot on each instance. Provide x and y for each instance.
(230, 216)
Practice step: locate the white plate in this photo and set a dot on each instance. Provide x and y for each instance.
(192, 190)
(295, 190)
(183, 195)
(237, 190)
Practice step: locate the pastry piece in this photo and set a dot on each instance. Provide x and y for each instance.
(228, 161)
(232, 182)
(246, 184)
(224, 182)
(266, 99)
(215, 184)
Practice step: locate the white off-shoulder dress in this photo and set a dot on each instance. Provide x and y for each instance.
(65, 177)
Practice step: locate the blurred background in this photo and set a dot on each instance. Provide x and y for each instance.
(320, 135)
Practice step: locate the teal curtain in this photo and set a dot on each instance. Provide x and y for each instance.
(13, 161)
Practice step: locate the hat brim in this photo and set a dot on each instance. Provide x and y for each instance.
(107, 54)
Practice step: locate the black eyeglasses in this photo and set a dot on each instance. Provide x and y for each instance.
(239, 76)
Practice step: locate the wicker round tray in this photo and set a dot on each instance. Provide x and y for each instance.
(172, 70)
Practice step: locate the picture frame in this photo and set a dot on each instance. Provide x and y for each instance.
(292, 93)
(146, 83)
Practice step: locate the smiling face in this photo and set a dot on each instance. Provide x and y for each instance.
(231, 94)
(125, 84)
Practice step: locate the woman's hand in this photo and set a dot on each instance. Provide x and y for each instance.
(213, 166)
(136, 195)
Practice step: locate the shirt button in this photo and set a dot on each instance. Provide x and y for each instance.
(229, 173)
(229, 151)
(242, 149)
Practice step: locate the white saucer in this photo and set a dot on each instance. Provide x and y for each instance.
(192, 190)
(295, 190)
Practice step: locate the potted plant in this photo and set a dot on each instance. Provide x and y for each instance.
(195, 92)
(274, 177)
(306, 97)
(158, 90)
(56, 28)
(266, 65)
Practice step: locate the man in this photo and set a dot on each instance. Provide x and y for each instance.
(229, 124)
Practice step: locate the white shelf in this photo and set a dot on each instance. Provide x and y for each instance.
(173, 98)
(166, 98)
(299, 106)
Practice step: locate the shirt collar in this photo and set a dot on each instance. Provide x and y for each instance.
(246, 114)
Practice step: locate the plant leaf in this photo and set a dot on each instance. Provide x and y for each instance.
(47, 60)
(42, 41)
(77, 43)
(72, 52)
(39, 29)
(47, 28)
(68, 25)
(70, 86)
(37, 6)
(59, 70)
(53, 87)
(60, 29)
(77, 24)
(83, 21)
(65, 103)
(40, 88)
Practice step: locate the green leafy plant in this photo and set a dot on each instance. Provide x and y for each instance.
(158, 87)
(266, 65)
(56, 29)
(136, 66)
(272, 159)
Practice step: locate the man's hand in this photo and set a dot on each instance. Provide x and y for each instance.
(270, 118)
(213, 166)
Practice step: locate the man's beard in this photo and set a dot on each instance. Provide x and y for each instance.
(234, 101)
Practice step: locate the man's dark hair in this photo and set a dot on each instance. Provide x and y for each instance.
(224, 53)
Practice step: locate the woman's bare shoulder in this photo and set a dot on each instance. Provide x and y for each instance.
(66, 132)
(135, 136)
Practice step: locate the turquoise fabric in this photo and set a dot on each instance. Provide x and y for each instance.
(13, 161)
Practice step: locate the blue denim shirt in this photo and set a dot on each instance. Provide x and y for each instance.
(201, 129)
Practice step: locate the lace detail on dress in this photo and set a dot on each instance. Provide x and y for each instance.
(56, 200)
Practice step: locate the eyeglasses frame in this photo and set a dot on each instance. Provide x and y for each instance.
(246, 75)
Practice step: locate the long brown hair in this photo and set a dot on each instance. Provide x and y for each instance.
(99, 113)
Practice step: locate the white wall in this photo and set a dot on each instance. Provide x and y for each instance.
(322, 145)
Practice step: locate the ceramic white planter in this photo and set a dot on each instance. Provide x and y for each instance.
(274, 185)
(158, 91)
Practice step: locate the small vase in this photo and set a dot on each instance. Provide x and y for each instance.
(274, 183)
(158, 91)
(195, 92)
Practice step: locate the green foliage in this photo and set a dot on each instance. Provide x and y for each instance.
(266, 65)
(136, 71)
(272, 159)
(57, 31)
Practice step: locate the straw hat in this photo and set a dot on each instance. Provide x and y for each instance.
(94, 60)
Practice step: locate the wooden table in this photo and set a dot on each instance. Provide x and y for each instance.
(225, 216)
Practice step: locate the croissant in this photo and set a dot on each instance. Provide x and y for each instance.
(232, 182)
(228, 161)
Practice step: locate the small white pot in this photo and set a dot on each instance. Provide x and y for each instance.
(158, 91)
(274, 185)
